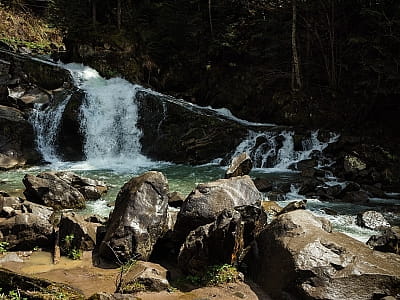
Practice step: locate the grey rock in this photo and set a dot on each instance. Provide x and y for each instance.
(240, 165)
(372, 220)
(139, 218)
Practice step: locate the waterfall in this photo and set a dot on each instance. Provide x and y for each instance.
(109, 116)
(46, 120)
(278, 150)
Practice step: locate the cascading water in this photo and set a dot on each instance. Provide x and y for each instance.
(277, 149)
(46, 121)
(108, 120)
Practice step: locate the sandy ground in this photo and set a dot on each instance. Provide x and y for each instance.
(82, 275)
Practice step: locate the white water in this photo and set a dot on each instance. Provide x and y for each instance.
(46, 123)
(277, 150)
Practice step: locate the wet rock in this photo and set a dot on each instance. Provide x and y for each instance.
(330, 211)
(38, 210)
(175, 199)
(351, 186)
(328, 193)
(182, 134)
(306, 164)
(96, 219)
(301, 258)
(374, 191)
(26, 231)
(76, 233)
(225, 241)
(50, 190)
(308, 186)
(275, 196)
(208, 200)
(263, 184)
(293, 206)
(17, 139)
(240, 165)
(356, 197)
(91, 189)
(139, 218)
(387, 241)
(372, 220)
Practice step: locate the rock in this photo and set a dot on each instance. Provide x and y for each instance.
(8, 211)
(374, 191)
(225, 241)
(91, 189)
(184, 134)
(145, 276)
(353, 164)
(263, 184)
(308, 186)
(115, 296)
(30, 287)
(271, 207)
(328, 192)
(330, 211)
(10, 257)
(76, 233)
(351, 186)
(139, 218)
(240, 165)
(96, 219)
(50, 190)
(208, 200)
(387, 241)
(38, 210)
(26, 231)
(13, 202)
(299, 257)
(372, 220)
(293, 206)
(17, 139)
(175, 199)
(306, 164)
(356, 197)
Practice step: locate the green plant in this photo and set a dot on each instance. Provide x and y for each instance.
(75, 254)
(120, 285)
(3, 247)
(12, 295)
(220, 274)
(68, 239)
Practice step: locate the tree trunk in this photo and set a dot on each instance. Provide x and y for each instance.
(296, 80)
(119, 14)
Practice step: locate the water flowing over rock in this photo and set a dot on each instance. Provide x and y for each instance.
(139, 218)
(208, 200)
(298, 256)
(373, 220)
(225, 241)
(240, 165)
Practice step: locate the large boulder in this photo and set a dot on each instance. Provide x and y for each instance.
(25, 231)
(139, 218)
(299, 256)
(372, 220)
(387, 241)
(183, 133)
(76, 233)
(208, 200)
(225, 241)
(239, 166)
(49, 189)
(17, 140)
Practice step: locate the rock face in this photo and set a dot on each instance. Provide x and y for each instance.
(82, 234)
(25, 231)
(388, 241)
(225, 241)
(17, 146)
(240, 165)
(48, 189)
(372, 220)
(62, 189)
(139, 218)
(298, 256)
(182, 133)
(208, 200)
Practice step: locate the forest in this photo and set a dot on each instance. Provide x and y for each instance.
(324, 63)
